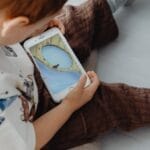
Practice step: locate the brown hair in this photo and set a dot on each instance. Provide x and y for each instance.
(33, 9)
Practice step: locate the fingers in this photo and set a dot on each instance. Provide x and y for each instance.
(57, 23)
(93, 76)
(81, 82)
(94, 82)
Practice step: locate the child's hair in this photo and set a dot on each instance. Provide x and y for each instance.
(33, 9)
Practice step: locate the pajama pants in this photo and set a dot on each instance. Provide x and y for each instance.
(90, 26)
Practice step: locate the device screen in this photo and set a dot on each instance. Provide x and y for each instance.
(57, 66)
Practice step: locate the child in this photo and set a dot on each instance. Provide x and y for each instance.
(108, 105)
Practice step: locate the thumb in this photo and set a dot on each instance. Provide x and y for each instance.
(82, 82)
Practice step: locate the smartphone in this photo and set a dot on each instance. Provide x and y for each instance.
(60, 69)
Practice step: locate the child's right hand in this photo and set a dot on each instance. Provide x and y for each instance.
(80, 95)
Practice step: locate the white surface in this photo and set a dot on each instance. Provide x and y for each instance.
(127, 60)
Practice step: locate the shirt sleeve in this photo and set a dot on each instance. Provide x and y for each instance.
(10, 139)
(31, 137)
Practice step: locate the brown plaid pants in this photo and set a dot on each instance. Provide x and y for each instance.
(89, 26)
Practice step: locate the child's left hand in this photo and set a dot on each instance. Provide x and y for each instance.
(57, 23)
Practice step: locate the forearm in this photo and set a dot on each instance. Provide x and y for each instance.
(47, 125)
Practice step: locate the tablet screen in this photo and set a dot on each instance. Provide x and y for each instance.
(56, 64)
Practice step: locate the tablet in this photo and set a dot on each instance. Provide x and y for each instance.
(60, 69)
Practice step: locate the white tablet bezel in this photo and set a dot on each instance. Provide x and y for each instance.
(44, 36)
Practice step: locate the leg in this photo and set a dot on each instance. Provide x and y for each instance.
(86, 26)
(113, 106)
(128, 106)
(90, 25)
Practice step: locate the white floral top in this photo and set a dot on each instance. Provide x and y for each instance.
(18, 99)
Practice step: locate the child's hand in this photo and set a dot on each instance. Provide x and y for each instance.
(79, 96)
(57, 23)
